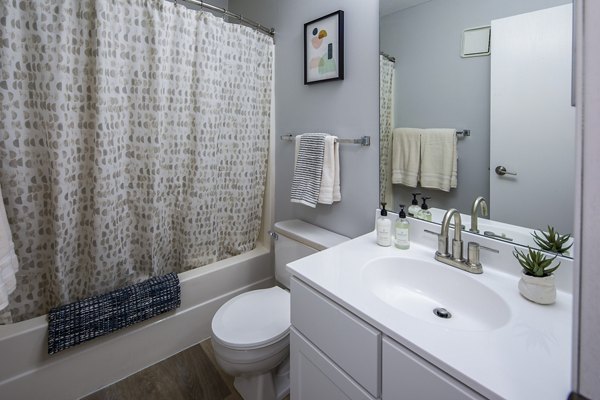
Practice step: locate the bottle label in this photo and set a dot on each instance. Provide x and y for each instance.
(384, 234)
(401, 235)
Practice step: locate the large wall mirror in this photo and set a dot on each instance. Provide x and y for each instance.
(515, 102)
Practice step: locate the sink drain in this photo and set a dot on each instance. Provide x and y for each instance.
(442, 312)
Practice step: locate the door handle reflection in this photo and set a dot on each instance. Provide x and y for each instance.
(500, 170)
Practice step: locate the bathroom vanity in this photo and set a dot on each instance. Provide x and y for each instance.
(368, 322)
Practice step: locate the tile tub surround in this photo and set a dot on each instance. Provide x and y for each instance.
(528, 357)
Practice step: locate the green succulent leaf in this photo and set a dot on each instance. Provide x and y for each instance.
(551, 240)
(535, 262)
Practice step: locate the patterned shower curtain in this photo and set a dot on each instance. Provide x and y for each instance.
(133, 142)
(386, 109)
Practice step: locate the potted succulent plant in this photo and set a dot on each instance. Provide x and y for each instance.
(537, 282)
(552, 241)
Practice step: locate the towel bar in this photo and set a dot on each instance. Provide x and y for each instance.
(363, 141)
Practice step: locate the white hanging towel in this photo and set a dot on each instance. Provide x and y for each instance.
(8, 259)
(308, 169)
(438, 159)
(406, 152)
(337, 189)
(330, 178)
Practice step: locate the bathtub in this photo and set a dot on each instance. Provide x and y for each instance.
(27, 372)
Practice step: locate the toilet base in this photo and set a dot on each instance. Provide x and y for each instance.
(270, 385)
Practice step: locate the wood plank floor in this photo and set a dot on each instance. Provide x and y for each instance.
(189, 375)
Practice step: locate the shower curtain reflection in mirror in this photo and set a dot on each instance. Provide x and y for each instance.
(386, 124)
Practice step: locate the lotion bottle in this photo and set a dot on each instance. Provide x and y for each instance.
(402, 230)
(414, 208)
(384, 228)
(424, 213)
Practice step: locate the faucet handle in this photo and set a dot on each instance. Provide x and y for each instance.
(442, 245)
(473, 254)
(457, 250)
(490, 249)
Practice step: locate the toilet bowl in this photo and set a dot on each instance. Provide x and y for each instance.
(250, 332)
(251, 339)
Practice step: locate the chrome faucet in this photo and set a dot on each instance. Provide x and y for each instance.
(456, 259)
(479, 202)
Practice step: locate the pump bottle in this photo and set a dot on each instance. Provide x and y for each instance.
(384, 228)
(402, 230)
(424, 213)
(414, 207)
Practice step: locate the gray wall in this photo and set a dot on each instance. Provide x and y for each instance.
(587, 316)
(435, 87)
(262, 11)
(348, 108)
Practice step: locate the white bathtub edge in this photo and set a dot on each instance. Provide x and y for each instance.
(27, 372)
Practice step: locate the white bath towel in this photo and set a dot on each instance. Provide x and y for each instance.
(438, 159)
(406, 152)
(330, 178)
(308, 169)
(8, 260)
(337, 189)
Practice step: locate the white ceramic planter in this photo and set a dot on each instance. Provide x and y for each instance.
(539, 290)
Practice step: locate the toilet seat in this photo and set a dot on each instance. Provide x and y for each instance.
(253, 319)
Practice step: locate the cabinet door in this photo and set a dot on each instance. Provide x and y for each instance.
(314, 377)
(408, 376)
(350, 342)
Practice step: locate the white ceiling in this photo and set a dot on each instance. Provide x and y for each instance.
(391, 6)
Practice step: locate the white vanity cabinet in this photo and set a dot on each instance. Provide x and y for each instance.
(408, 376)
(333, 332)
(337, 356)
(314, 376)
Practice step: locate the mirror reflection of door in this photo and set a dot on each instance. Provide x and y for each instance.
(532, 121)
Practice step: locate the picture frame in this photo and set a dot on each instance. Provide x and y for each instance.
(324, 48)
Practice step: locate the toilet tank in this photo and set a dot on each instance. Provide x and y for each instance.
(297, 239)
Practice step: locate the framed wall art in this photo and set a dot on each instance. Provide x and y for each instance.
(324, 48)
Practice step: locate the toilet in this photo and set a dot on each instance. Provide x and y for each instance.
(250, 332)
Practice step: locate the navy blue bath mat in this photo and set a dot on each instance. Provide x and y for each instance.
(87, 319)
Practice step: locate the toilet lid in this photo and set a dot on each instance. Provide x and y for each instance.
(253, 319)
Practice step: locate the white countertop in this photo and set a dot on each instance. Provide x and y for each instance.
(527, 358)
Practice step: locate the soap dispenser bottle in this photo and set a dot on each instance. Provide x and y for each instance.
(414, 207)
(401, 230)
(424, 213)
(384, 228)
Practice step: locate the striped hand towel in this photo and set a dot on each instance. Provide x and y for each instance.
(308, 169)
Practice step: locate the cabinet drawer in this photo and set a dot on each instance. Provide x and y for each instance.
(315, 377)
(408, 376)
(350, 342)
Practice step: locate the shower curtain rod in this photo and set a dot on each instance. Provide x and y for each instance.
(392, 59)
(224, 11)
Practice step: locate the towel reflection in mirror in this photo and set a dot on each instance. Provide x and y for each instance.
(425, 156)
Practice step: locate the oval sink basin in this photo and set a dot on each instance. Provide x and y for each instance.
(417, 288)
